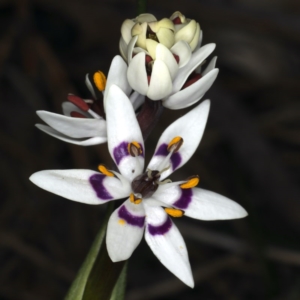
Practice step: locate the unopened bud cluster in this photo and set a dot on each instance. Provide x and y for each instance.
(161, 54)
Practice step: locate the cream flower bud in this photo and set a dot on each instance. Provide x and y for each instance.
(186, 29)
(145, 26)
(145, 18)
(141, 31)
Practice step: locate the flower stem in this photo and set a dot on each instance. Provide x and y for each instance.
(98, 275)
(104, 273)
(149, 116)
(141, 6)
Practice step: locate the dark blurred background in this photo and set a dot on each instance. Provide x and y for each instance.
(250, 150)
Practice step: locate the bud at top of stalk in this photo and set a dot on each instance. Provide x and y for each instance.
(186, 29)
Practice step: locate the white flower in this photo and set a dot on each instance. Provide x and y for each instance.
(80, 124)
(151, 198)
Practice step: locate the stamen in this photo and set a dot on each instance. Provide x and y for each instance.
(149, 171)
(76, 114)
(173, 212)
(164, 181)
(99, 80)
(175, 144)
(89, 101)
(134, 199)
(93, 114)
(192, 182)
(164, 169)
(78, 102)
(105, 171)
(134, 149)
(165, 164)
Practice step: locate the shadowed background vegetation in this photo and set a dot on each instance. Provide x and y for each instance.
(250, 150)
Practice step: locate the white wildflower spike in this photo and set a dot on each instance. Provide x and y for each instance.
(151, 199)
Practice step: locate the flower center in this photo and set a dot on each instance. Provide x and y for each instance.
(146, 184)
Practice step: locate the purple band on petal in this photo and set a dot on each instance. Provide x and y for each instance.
(122, 151)
(130, 218)
(175, 157)
(161, 229)
(185, 199)
(96, 181)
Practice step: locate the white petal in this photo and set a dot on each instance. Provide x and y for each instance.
(137, 75)
(123, 48)
(82, 142)
(197, 58)
(167, 244)
(166, 37)
(125, 230)
(195, 40)
(207, 205)
(84, 186)
(183, 50)
(165, 55)
(192, 93)
(136, 100)
(122, 129)
(190, 128)
(90, 86)
(187, 33)
(126, 30)
(160, 82)
(145, 18)
(68, 107)
(200, 39)
(210, 66)
(151, 47)
(117, 76)
(200, 204)
(74, 127)
(130, 48)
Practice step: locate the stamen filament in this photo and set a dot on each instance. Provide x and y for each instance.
(175, 144)
(93, 114)
(134, 199)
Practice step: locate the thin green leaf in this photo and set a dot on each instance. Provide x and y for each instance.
(119, 289)
(103, 277)
(78, 286)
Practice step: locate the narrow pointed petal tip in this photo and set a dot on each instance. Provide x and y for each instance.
(167, 244)
(209, 206)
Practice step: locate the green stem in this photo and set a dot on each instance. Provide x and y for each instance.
(98, 274)
(141, 6)
(103, 277)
